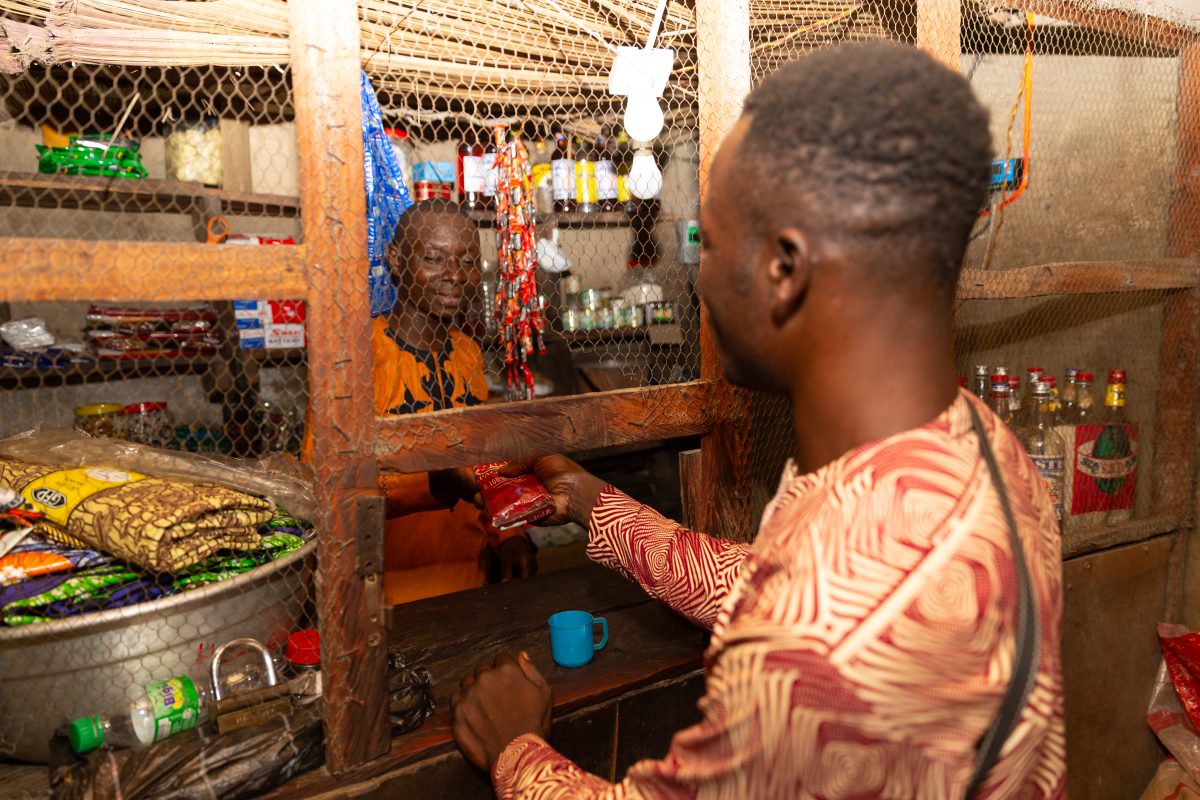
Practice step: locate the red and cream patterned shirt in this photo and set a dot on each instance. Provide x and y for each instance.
(862, 645)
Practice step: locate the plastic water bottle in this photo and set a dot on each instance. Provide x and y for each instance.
(164, 709)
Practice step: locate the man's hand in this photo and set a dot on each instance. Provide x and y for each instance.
(574, 489)
(501, 701)
(517, 557)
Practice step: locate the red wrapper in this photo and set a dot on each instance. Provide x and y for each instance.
(512, 501)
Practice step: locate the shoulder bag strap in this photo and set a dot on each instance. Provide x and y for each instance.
(1028, 632)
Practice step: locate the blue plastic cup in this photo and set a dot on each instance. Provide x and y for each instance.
(572, 638)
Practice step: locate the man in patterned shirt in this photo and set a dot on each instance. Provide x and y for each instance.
(862, 644)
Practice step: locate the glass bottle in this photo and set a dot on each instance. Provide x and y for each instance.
(164, 708)
(1114, 399)
(1084, 411)
(491, 177)
(470, 172)
(1014, 395)
(586, 198)
(606, 176)
(981, 384)
(999, 391)
(1055, 405)
(1043, 444)
(1032, 374)
(1069, 395)
(562, 174)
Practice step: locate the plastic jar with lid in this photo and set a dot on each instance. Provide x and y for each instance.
(98, 419)
(149, 423)
(194, 151)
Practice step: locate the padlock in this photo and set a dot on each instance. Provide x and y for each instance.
(252, 708)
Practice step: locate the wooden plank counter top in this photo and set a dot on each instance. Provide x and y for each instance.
(450, 635)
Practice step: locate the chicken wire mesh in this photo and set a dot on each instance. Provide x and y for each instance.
(145, 556)
(1089, 116)
(614, 244)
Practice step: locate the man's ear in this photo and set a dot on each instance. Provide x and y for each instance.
(789, 271)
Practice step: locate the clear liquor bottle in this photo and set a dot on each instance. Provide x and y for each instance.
(1043, 444)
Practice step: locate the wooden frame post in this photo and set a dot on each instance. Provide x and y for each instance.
(325, 76)
(939, 26)
(723, 69)
(1174, 478)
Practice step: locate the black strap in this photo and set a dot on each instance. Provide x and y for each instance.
(1028, 633)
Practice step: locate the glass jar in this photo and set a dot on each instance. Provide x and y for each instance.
(194, 152)
(149, 423)
(98, 419)
(276, 427)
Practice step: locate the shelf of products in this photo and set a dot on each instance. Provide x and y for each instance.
(102, 370)
(38, 190)
(572, 219)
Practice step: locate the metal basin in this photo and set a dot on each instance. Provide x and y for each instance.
(52, 672)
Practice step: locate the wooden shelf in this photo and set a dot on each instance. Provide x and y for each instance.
(1079, 277)
(574, 219)
(1102, 537)
(37, 190)
(105, 370)
(598, 336)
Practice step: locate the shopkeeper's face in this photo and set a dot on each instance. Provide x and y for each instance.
(439, 269)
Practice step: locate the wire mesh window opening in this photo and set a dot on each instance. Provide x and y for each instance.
(1090, 117)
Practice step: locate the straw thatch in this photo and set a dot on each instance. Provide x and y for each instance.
(510, 52)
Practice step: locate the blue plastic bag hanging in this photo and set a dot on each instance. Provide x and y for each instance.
(387, 199)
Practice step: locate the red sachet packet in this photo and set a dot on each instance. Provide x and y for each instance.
(512, 501)
(1181, 651)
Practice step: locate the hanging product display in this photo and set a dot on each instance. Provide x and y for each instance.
(519, 311)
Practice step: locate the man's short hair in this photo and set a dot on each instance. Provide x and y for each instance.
(411, 222)
(889, 146)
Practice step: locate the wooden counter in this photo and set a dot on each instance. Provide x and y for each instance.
(653, 658)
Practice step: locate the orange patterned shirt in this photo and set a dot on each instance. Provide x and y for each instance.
(861, 646)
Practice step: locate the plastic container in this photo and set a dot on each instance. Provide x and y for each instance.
(194, 152)
(149, 423)
(98, 419)
(162, 709)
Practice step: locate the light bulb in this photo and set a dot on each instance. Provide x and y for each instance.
(643, 117)
(645, 179)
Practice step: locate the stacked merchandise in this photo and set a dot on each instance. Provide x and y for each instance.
(92, 524)
(1085, 451)
(117, 332)
(270, 324)
(70, 545)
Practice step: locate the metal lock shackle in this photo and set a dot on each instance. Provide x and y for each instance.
(253, 644)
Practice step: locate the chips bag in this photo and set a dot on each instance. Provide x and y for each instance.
(512, 501)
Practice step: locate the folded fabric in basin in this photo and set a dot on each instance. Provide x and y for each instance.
(160, 525)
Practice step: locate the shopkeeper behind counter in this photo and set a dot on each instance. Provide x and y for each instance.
(423, 363)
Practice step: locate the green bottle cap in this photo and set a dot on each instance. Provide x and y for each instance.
(86, 734)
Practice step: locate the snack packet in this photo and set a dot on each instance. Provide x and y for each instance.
(512, 501)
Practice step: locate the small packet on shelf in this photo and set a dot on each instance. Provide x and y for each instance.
(512, 501)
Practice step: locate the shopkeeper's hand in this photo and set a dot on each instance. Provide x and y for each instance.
(504, 699)
(517, 558)
(575, 490)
